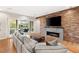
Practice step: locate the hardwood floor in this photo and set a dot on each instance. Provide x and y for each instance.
(6, 46)
(71, 46)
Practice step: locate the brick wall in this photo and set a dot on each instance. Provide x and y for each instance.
(42, 25)
(70, 23)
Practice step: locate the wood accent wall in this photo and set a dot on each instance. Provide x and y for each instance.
(70, 23)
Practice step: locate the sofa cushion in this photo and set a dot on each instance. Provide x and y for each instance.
(19, 46)
(30, 44)
(24, 49)
(14, 40)
(41, 44)
(50, 49)
(20, 36)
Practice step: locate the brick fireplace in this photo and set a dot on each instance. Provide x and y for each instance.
(69, 22)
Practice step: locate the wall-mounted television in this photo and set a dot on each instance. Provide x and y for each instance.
(53, 21)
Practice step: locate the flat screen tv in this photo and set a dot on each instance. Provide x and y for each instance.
(53, 21)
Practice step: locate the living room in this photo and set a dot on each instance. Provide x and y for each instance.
(51, 29)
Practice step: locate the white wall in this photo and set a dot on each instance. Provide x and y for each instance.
(5, 19)
(4, 32)
(37, 25)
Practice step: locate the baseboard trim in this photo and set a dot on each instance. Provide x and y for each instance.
(4, 38)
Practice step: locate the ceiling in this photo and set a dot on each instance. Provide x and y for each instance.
(34, 11)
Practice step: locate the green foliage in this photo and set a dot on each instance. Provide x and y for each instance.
(23, 25)
(13, 24)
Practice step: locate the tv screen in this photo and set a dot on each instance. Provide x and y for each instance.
(54, 21)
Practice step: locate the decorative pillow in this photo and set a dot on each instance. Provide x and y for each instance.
(52, 43)
(52, 40)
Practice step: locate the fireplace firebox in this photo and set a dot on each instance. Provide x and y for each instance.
(53, 34)
(56, 32)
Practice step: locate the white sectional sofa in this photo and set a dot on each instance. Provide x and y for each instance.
(49, 49)
(25, 44)
(24, 49)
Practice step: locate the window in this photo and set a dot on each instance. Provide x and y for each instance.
(24, 24)
(20, 24)
(12, 26)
